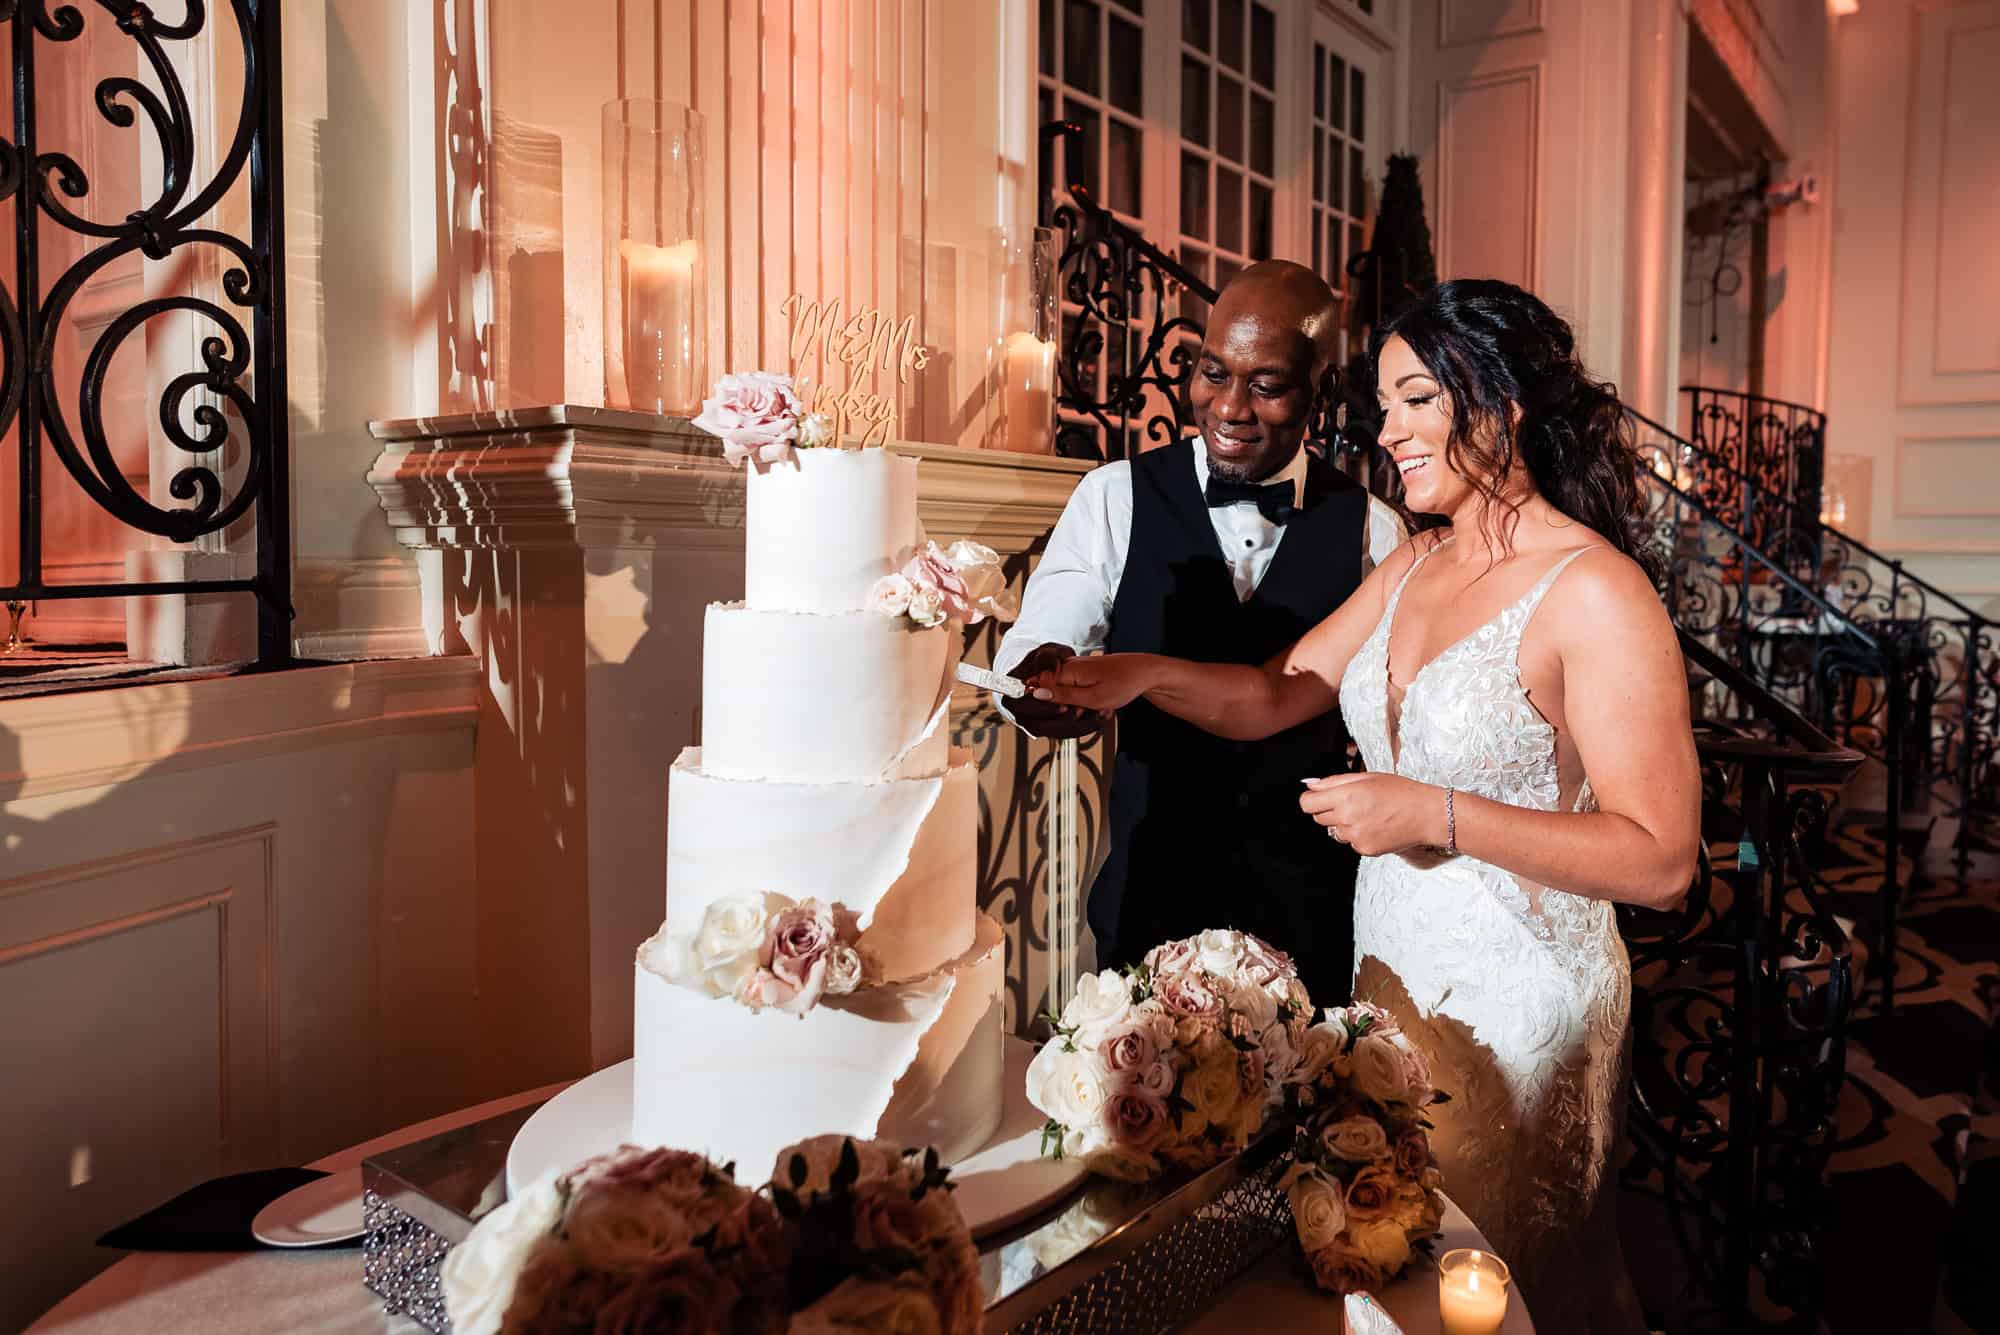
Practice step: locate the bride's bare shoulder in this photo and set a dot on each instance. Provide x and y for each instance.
(1604, 585)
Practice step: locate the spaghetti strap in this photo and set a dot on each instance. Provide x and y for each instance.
(1542, 585)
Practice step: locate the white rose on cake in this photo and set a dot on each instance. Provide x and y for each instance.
(725, 948)
(891, 594)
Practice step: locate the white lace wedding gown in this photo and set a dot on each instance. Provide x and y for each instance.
(1519, 995)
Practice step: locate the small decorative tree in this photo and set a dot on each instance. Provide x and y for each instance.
(1396, 270)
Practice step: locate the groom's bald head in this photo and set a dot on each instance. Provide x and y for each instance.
(1270, 341)
(1286, 297)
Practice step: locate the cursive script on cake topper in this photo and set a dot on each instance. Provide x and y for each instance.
(865, 342)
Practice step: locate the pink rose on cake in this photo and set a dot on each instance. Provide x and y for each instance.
(963, 583)
(766, 950)
(755, 414)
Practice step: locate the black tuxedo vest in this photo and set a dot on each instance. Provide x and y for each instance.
(1204, 831)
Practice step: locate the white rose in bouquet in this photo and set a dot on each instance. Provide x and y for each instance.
(1222, 953)
(1102, 1002)
(478, 1274)
(1356, 1139)
(1068, 1087)
(1319, 1209)
(1379, 1071)
(1323, 1049)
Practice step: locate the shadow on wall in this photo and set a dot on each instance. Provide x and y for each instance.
(194, 957)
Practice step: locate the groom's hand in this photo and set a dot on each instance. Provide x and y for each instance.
(1045, 718)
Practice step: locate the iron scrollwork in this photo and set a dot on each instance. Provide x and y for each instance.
(1126, 357)
(227, 412)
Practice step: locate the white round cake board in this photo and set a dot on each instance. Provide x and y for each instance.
(1004, 1182)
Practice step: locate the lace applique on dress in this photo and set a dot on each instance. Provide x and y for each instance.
(1520, 995)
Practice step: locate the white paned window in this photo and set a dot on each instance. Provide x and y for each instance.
(1228, 136)
(1204, 126)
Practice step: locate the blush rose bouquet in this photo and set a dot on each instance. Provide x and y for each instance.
(763, 949)
(1176, 1062)
(849, 1236)
(878, 1242)
(1363, 1182)
(635, 1240)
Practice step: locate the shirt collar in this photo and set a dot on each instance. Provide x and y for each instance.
(1293, 472)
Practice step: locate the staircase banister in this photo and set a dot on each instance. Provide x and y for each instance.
(1805, 747)
(1134, 239)
(1740, 478)
(1748, 397)
(1750, 549)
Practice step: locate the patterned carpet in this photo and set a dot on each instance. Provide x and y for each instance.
(1913, 1246)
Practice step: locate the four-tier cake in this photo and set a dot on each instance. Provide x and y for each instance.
(823, 966)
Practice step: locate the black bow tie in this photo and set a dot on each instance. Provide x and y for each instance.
(1272, 499)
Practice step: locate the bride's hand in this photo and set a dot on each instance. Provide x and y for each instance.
(1377, 813)
(1103, 682)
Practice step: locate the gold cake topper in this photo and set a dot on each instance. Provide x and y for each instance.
(866, 342)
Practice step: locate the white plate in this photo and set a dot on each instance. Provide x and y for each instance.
(326, 1209)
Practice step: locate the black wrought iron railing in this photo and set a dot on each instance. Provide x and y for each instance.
(1740, 1004)
(1775, 457)
(226, 409)
(1950, 652)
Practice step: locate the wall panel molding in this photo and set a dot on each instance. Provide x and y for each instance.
(150, 976)
(1490, 175)
(1948, 476)
(1466, 22)
(1950, 346)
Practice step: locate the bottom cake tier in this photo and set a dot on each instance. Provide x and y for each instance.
(919, 1063)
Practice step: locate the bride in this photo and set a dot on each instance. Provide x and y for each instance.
(1518, 696)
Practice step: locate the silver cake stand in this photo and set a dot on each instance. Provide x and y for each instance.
(1110, 1257)
(1006, 1181)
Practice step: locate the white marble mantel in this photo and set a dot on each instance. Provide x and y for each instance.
(574, 550)
(568, 475)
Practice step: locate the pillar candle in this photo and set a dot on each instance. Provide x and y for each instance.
(1028, 394)
(659, 326)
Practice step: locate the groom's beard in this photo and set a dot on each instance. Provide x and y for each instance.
(1230, 470)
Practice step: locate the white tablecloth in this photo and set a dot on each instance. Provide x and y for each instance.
(320, 1293)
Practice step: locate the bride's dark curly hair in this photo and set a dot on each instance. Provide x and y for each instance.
(1490, 345)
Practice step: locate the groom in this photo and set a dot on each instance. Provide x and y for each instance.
(1223, 548)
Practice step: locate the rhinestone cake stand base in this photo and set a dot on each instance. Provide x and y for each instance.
(1113, 1257)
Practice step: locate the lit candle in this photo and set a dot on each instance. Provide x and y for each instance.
(1472, 1292)
(659, 326)
(1028, 395)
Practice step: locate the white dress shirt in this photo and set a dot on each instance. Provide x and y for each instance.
(1069, 597)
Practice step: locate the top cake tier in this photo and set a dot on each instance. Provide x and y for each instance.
(822, 527)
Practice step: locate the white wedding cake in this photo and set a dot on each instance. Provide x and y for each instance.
(824, 967)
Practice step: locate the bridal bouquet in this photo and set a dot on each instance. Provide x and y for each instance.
(849, 1237)
(1175, 1062)
(1363, 1183)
